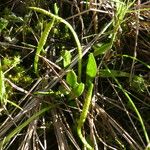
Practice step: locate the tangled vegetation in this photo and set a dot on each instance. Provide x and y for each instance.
(74, 74)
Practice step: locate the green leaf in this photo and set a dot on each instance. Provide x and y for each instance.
(101, 48)
(91, 68)
(71, 78)
(66, 58)
(116, 73)
(78, 90)
(14, 104)
(3, 23)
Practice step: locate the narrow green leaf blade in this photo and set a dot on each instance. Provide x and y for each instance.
(24, 124)
(100, 49)
(116, 73)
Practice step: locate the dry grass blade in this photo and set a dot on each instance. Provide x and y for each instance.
(27, 142)
(59, 131)
(68, 131)
(9, 123)
(122, 132)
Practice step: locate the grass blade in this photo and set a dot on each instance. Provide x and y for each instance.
(132, 104)
(19, 128)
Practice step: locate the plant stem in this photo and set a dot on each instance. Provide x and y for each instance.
(41, 43)
(79, 47)
(83, 116)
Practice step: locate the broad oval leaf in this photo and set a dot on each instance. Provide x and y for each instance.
(71, 78)
(78, 90)
(91, 68)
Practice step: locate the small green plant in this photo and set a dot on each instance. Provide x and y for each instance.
(91, 71)
(55, 95)
(76, 88)
(122, 9)
(45, 35)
